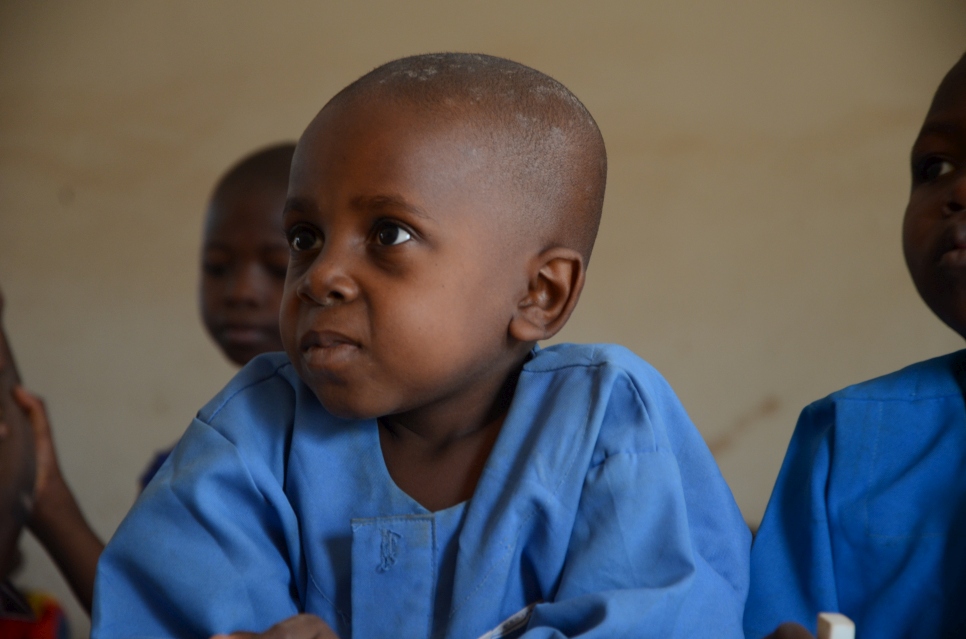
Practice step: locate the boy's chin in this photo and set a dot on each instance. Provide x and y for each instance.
(952, 316)
(345, 408)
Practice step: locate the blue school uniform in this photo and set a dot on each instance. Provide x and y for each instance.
(599, 513)
(868, 516)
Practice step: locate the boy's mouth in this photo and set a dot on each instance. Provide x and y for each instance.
(323, 349)
(245, 334)
(953, 251)
(955, 257)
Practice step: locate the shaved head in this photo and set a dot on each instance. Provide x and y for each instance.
(951, 86)
(548, 150)
(266, 167)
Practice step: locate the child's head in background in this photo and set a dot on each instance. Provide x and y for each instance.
(934, 231)
(441, 213)
(245, 255)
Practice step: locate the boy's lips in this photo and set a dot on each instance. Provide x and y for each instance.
(245, 334)
(953, 253)
(323, 349)
(954, 257)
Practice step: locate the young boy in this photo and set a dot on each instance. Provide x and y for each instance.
(868, 516)
(245, 255)
(416, 467)
(243, 262)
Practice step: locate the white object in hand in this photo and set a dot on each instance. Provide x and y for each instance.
(832, 625)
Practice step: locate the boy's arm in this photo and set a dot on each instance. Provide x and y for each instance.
(659, 548)
(792, 576)
(211, 546)
(55, 519)
(298, 627)
(637, 569)
(791, 630)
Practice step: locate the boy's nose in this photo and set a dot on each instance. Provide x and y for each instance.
(956, 198)
(328, 282)
(246, 286)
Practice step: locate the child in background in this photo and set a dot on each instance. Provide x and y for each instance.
(416, 466)
(23, 615)
(868, 517)
(243, 261)
(244, 256)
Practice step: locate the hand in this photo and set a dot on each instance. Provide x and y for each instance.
(49, 479)
(16, 461)
(302, 626)
(56, 519)
(791, 630)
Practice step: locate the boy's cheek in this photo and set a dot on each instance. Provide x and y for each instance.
(287, 326)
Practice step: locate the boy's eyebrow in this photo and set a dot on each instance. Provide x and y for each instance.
(940, 127)
(277, 242)
(377, 202)
(362, 202)
(298, 204)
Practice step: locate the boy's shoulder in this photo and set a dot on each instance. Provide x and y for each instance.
(610, 357)
(635, 407)
(929, 379)
(259, 404)
(263, 375)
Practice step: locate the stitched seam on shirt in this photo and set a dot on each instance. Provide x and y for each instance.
(516, 537)
(318, 589)
(207, 527)
(903, 400)
(562, 366)
(435, 562)
(687, 511)
(509, 549)
(871, 472)
(643, 404)
(256, 382)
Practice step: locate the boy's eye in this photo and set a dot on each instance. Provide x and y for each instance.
(214, 269)
(276, 262)
(303, 239)
(277, 270)
(933, 168)
(391, 235)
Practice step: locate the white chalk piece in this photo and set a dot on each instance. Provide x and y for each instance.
(832, 625)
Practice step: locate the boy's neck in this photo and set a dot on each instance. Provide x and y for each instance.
(437, 456)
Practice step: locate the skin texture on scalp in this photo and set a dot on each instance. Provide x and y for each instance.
(551, 150)
(245, 255)
(934, 228)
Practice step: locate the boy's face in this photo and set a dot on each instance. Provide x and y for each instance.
(243, 264)
(934, 231)
(400, 286)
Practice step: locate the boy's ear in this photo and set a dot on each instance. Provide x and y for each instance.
(556, 279)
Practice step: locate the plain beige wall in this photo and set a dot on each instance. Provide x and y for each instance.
(750, 242)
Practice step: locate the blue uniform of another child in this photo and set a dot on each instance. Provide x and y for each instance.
(868, 516)
(600, 513)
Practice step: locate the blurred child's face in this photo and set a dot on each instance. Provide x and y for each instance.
(934, 231)
(243, 264)
(400, 287)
